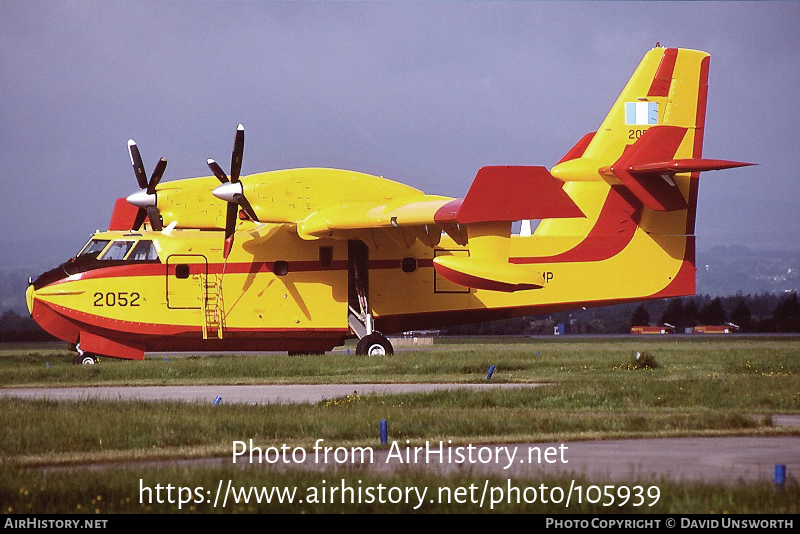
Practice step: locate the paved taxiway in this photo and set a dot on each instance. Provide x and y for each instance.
(712, 459)
(249, 394)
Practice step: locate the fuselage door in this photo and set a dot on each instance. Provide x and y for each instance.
(186, 281)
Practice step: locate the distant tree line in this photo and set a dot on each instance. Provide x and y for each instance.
(16, 327)
(751, 313)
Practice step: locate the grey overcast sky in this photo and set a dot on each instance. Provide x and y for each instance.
(420, 92)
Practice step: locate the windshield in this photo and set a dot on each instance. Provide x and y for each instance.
(144, 250)
(93, 248)
(120, 252)
(117, 251)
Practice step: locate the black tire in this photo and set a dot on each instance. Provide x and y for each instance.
(374, 344)
(86, 358)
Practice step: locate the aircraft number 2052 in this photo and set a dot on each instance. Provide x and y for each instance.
(120, 298)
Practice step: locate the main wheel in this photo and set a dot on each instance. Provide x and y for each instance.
(374, 344)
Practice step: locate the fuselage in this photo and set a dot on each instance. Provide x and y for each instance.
(174, 291)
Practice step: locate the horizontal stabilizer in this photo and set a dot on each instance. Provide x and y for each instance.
(646, 167)
(659, 143)
(493, 275)
(686, 165)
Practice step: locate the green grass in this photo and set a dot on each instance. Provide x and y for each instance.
(701, 386)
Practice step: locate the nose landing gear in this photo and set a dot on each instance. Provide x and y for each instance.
(83, 357)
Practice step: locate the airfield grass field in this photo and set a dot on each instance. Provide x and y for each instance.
(594, 389)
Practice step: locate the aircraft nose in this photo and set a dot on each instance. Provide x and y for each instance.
(56, 320)
(29, 297)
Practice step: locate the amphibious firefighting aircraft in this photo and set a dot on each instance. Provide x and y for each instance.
(300, 260)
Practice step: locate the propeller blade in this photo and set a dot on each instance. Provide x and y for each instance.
(138, 166)
(145, 198)
(231, 190)
(248, 209)
(140, 217)
(156, 177)
(238, 152)
(155, 218)
(230, 228)
(217, 170)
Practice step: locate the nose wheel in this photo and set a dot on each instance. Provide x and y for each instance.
(83, 357)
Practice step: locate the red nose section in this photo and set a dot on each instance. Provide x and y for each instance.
(53, 322)
(56, 321)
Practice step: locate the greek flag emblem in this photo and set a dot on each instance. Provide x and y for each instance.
(641, 113)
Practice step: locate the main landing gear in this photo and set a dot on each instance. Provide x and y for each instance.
(359, 317)
(374, 344)
(370, 342)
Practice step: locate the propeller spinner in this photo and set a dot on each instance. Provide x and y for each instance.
(145, 198)
(231, 190)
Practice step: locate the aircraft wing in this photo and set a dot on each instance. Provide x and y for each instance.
(498, 194)
(415, 211)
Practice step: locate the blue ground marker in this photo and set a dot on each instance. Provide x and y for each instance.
(491, 371)
(384, 431)
(780, 474)
(217, 400)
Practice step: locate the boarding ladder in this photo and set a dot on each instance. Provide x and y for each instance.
(213, 306)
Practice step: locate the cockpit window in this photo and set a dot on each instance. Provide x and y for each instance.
(93, 248)
(118, 250)
(144, 250)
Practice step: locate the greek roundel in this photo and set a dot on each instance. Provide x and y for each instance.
(641, 113)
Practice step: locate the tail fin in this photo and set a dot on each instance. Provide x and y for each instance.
(667, 91)
(636, 180)
(669, 87)
(621, 226)
(653, 132)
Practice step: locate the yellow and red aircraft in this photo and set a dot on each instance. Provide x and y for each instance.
(299, 260)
